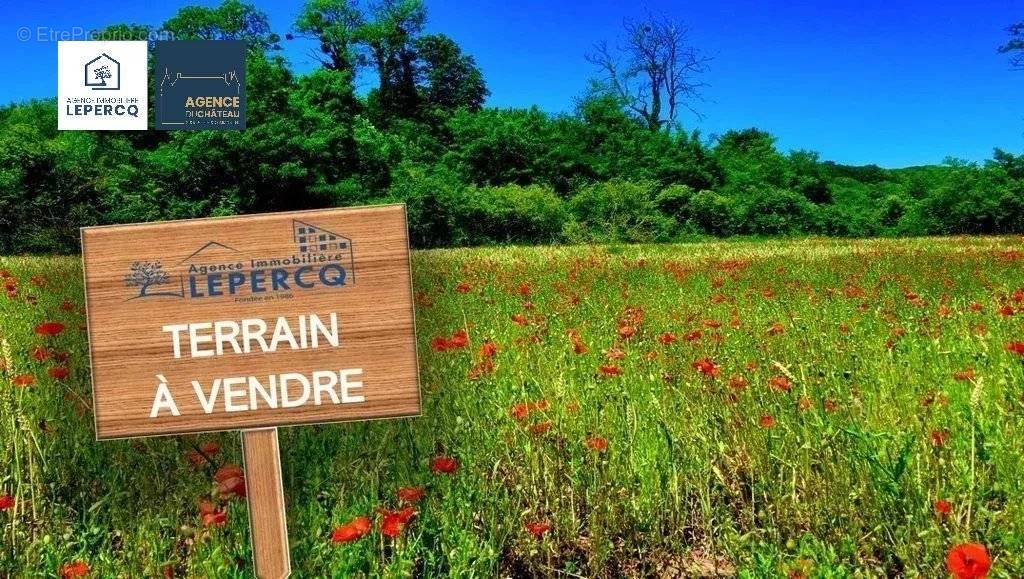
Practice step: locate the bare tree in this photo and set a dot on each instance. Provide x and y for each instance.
(653, 70)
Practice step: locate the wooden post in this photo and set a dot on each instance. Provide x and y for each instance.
(267, 525)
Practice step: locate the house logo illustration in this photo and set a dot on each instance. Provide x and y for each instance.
(103, 86)
(103, 73)
(319, 259)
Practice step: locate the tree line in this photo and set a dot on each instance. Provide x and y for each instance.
(619, 167)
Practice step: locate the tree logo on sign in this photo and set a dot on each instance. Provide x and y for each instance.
(146, 274)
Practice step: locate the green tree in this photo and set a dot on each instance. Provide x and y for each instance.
(231, 20)
(336, 26)
(1015, 45)
(449, 79)
(389, 36)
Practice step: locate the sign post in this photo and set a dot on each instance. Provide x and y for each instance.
(265, 494)
(251, 323)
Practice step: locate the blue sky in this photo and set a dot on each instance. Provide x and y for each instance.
(891, 82)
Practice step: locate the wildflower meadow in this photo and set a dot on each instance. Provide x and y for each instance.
(804, 408)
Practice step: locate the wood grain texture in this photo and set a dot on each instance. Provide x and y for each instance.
(268, 525)
(129, 349)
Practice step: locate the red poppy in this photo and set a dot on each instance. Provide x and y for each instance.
(520, 411)
(667, 338)
(6, 502)
(196, 457)
(804, 403)
(943, 507)
(59, 373)
(524, 289)
(780, 383)
(737, 382)
(626, 332)
(67, 305)
(439, 344)
(411, 494)
(940, 437)
(49, 328)
(480, 369)
(520, 319)
(767, 421)
(610, 370)
(444, 464)
(578, 347)
(693, 336)
(831, 405)
(968, 561)
(615, 354)
(74, 570)
(706, 367)
(463, 288)
(712, 324)
(40, 354)
(775, 329)
(1016, 348)
(459, 339)
(1006, 310)
(597, 443)
(488, 350)
(976, 307)
(394, 522)
(230, 481)
(540, 427)
(351, 531)
(538, 528)
(964, 375)
(212, 515)
(23, 380)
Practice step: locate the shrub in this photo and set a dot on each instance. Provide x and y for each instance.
(436, 205)
(713, 213)
(619, 210)
(774, 211)
(514, 214)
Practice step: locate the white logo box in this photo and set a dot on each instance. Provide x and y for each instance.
(102, 86)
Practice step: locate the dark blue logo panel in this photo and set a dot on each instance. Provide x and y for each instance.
(200, 84)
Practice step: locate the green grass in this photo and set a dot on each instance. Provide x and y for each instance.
(876, 427)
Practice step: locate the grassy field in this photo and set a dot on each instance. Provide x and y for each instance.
(774, 409)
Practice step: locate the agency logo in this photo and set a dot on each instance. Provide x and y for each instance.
(321, 259)
(102, 86)
(200, 84)
(101, 69)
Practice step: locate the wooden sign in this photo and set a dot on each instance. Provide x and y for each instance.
(251, 323)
